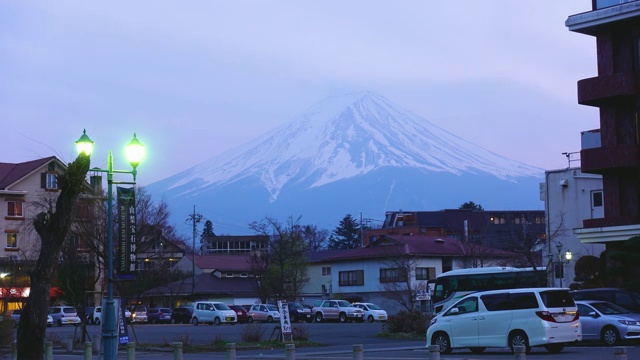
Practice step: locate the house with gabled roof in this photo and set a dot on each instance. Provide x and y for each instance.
(396, 263)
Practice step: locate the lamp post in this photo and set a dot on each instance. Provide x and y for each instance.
(135, 153)
(561, 261)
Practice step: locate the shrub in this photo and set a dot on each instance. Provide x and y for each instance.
(300, 332)
(412, 321)
(252, 333)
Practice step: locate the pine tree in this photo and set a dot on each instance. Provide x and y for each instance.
(347, 234)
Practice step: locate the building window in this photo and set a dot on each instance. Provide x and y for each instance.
(423, 273)
(326, 271)
(597, 198)
(393, 275)
(351, 278)
(49, 181)
(498, 220)
(12, 240)
(14, 209)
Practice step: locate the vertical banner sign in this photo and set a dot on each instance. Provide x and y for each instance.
(285, 321)
(126, 264)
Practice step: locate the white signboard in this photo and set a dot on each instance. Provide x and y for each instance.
(285, 320)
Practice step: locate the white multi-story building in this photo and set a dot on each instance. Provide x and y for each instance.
(570, 197)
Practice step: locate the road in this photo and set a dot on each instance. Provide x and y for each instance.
(339, 338)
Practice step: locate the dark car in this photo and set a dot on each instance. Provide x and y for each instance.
(299, 312)
(159, 315)
(628, 299)
(241, 312)
(181, 315)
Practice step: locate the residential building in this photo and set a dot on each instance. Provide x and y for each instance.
(395, 268)
(570, 197)
(613, 150)
(155, 251)
(506, 230)
(26, 189)
(230, 244)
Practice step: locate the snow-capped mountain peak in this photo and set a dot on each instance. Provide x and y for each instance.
(343, 137)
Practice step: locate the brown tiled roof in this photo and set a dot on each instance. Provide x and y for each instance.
(418, 245)
(208, 285)
(223, 262)
(10, 173)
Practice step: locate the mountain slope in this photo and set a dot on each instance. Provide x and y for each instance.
(359, 147)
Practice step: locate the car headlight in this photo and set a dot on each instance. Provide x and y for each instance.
(628, 322)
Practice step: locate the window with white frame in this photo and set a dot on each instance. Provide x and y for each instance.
(12, 240)
(14, 208)
(52, 181)
(326, 271)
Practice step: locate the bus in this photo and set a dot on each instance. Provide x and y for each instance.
(452, 285)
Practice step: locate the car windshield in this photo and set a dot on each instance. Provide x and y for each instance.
(609, 308)
(272, 307)
(557, 298)
(69, 310)
(222, 307)
(373, 307)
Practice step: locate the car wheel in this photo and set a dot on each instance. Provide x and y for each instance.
(59, 323)
(250, 319)
(319, 317)
(154, 321)
(442, 340)
(477, 349)
(270, 319)
(217, 321)
(554, 348)
(342, 317)
(370, 318)
(610, 336)
(519, 338)
(173, 321)
(96, 321)
(194, 321)
(309, 320)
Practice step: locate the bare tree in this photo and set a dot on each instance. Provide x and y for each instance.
(52, 226)
(286, 261)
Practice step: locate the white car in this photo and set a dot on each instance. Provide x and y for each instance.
(514, 317)
(64, 315)
(372, 312)
(212, 312)
(139, 315)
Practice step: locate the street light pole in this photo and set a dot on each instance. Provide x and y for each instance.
(134, 152)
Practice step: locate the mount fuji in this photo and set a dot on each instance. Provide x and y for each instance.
(348, 154)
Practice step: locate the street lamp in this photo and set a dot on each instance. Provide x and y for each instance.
(134, 153)
(561, 262)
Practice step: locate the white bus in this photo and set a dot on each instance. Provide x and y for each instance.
(452, 285)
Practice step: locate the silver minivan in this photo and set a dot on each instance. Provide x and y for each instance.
(507, 318)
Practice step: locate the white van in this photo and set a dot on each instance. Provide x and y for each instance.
(212, 312)
(517, 317)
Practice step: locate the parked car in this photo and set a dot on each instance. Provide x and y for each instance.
(241, 313)
(139, 314)
(628, 299)
(213, 312)
(372, 312)
(64, 315)
(514, 317)
(264, 313)
(607, 322)
(96, 315)
(181, 315)
(299, 312)
(159, 315)
(340, 310)
(49, 321)
(15, 317)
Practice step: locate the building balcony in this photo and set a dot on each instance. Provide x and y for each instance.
(610, 222)
(601, 159)
(598, 91)
(605, 234)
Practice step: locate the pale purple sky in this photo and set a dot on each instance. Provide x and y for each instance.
(196, 78)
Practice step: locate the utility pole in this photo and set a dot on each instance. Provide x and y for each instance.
(195, 218)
